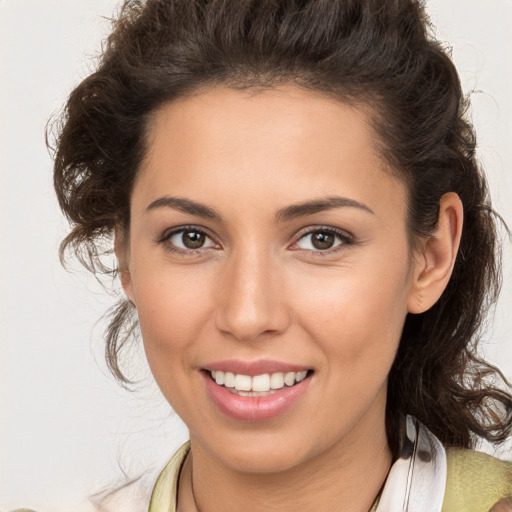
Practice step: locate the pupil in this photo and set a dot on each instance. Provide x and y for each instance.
(323, 240)
(193, 239)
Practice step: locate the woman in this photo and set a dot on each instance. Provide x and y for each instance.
(305, 240)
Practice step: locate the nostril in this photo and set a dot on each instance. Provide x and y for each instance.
(253, 321)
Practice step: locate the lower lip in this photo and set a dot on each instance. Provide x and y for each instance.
(255, 408)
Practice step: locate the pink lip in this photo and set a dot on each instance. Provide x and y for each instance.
(254, 408)
(253, 368)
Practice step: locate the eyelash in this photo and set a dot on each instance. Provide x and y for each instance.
(343, 237)
(166, 237)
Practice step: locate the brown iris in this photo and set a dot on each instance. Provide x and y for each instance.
(322, 240)
(193, 239)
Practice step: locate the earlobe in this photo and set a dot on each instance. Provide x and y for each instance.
(121, 250)
(435, 260)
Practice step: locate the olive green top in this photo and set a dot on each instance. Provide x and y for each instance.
(165, 492)
(475, 482)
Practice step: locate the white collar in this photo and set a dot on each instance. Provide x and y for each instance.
(417, 480)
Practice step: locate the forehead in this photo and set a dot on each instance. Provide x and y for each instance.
(283, 144)
(226, 118)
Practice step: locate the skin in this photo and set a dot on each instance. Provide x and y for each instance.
(258, 289)
(504, 505)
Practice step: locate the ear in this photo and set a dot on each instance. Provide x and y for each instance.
(435, 259)
(122, 252)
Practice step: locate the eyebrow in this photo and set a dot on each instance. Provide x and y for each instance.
(319, 205)
(185, 206)
(283, 215)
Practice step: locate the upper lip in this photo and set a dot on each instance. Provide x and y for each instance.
(253, 368)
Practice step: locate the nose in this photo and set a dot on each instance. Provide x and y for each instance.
(252, 297)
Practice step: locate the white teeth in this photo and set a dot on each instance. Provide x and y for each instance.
(259, 383)
(243, 382)
(289, 378)
(229, 380)
(301, 376)
(277, 381)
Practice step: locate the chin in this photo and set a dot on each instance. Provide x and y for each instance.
(264, 453)
(264, 461)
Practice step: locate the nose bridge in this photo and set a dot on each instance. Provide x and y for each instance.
(252, 294)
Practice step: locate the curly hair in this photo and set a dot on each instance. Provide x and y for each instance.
(379, 54)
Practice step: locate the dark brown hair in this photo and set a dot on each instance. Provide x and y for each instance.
(379, 54)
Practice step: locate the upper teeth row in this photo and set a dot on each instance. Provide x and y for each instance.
(264, 382)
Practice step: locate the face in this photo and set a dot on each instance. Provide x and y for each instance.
(268, 251)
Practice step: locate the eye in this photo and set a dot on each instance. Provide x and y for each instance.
(322, 240)
(189, 239)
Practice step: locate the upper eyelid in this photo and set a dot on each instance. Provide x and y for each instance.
(165, 241)
(167, 233)
(316, 229)
(345, 237)
(308, 230)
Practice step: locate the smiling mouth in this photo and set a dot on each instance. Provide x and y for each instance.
(258, 385)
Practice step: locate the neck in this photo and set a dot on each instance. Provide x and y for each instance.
(346, 477)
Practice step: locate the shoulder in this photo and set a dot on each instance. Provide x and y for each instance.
(131, 496)
(154, 491)
(476, 482)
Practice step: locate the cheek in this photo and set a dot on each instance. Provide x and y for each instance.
(173, 308)
(356, 316)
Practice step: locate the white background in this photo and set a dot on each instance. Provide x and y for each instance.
(65, 426)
